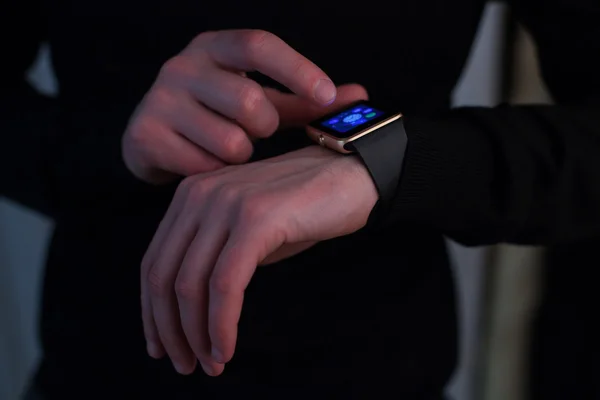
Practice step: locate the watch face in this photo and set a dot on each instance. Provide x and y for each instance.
(351, 120)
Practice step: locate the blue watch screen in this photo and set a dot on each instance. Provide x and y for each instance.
(351, 118)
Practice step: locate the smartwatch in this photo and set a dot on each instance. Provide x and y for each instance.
(377, 136)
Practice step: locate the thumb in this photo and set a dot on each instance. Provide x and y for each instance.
(295, 111)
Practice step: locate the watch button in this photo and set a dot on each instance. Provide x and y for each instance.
(321, 140)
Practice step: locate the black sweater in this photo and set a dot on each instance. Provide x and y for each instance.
(373, 306)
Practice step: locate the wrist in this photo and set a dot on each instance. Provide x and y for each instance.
(360, 176)
(376, 136)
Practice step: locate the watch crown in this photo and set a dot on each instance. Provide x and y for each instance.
(321, 140)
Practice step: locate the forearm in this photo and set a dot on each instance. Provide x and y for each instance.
(511, 174)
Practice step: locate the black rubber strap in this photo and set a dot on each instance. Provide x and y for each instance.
(382, 151)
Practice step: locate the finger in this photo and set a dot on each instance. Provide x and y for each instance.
(238, 98)
(161, 281)
(209, 132)
(166, 224)
(232, 273)
(295, 111)
(192, 290)
(168, 151)
(250, 50)
(153, 343)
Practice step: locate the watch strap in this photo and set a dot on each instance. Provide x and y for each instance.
(382, 152)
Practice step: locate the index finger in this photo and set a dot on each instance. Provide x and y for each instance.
(257, 50)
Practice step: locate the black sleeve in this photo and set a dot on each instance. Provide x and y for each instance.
(56, 157)
(521, 174)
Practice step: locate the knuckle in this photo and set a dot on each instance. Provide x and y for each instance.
(140, 136)
(198, 193)
(254, 41)
(253, 209)
(146, 264)
(221, 284)
(304, 68)
(137, 133)
(236, 145)
(161, 98)
(158, 284)
(185, 290)
(249, 100)
(255, 45)
(178, 65)
(184, 187)
(202, 39)
(228, 195)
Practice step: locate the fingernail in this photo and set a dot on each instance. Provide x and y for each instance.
(217, 356)
(325, 92)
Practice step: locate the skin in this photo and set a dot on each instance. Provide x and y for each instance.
(202, 113)
(228, 217)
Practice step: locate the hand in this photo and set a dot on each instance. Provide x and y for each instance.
(202, 112)
(221, 225)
